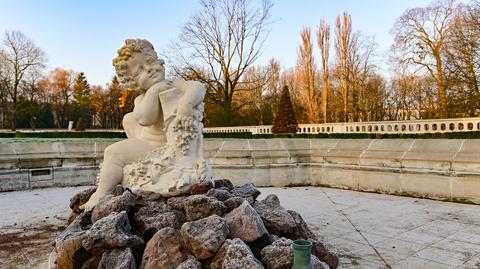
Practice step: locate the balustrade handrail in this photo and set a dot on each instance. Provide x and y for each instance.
(397, 126)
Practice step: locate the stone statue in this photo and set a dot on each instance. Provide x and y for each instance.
(164, 149)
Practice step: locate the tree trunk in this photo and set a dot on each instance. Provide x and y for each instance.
(442, 96)
(324, 97)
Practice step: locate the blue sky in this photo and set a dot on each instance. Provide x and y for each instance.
(84, 35)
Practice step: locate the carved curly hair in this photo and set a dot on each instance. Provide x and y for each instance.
(124, 53)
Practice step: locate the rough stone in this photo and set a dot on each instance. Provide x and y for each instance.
(112, 231)
(118, 190)
(81, 198)
(190, 263)
(205, 236)
(279, 255)
(324, 254)
(217, 261)
(220, 194)
(201, 187)
(92, 262)
(177, 202)
(239, 256)
(68, 245)
(118, 259)
(277, 220)
(233, 202)
(72, 217)
(123, 202)
(301, 231)
(257, 246)
(244, 223)
(246, 190)
(219, 183)
(318, 264)
(201, 206)
(144, 197)
(164, 250)
(154, 216)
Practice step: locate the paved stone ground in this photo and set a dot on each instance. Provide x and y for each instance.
(367, 230)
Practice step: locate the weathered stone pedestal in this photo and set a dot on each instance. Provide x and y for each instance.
(214, 226)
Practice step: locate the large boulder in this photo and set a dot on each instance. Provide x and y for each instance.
(118, 259)
(247, 190)
(201, 206)
(276, 218)
(68, 245)
(205, 236)
(112, 231)
(111, 203)
(81, 198)
(239, 256)
(154, 216)
(244, 223)
(164, 250)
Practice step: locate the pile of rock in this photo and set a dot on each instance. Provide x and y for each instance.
(216, 226)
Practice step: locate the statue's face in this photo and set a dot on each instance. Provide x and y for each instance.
(146, 74)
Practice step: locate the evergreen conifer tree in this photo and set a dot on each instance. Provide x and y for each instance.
(82, 95)
(285, 121)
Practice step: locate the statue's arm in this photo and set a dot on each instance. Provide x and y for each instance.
(193, 95)
(147, 107)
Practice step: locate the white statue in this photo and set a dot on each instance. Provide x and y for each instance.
(164, 149)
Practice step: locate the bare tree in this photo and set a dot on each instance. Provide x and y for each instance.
(18, 57)
(307, 72)
(323, 40)
(260, 89)
(345, 46)
(420, 40)
(462, 62)
(219, 43)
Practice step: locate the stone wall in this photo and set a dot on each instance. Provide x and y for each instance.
(433, 168)
(35, 165)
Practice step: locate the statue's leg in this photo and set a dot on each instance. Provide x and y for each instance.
(115, 157)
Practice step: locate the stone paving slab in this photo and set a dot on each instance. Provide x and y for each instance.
(367, 230)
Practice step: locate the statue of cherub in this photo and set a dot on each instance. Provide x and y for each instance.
(164, 130)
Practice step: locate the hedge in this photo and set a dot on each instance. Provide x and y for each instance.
(71, 134)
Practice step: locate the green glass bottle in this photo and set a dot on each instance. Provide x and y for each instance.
(302, 250)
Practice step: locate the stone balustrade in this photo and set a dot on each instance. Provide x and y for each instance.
(381, 127)
(435, 168)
